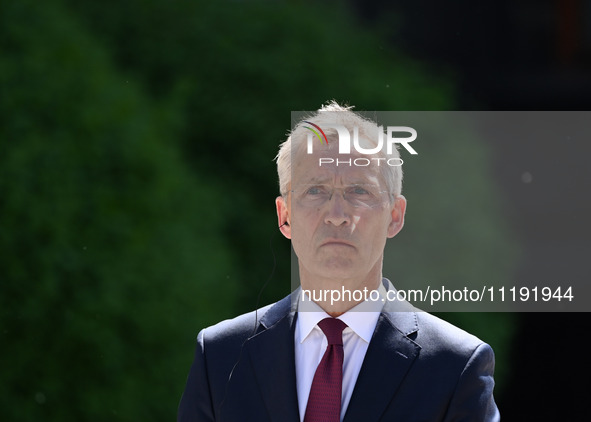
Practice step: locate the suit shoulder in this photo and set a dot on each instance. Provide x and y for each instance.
(240, 327)
(246, 325)
(438, 335)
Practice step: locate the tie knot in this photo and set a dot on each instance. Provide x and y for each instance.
(333, 330)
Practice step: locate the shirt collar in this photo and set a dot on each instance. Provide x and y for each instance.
(361, 319)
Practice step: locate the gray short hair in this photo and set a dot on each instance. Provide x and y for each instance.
(333, 113)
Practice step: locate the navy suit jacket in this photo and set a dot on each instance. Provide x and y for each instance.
(417, 368)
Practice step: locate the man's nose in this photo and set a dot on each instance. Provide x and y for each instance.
(337, 210)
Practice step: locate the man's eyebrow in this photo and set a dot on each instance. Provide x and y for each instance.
(362, 182)
(315, 181)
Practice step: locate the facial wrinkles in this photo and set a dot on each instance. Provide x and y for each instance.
(307, 172)
(339, 177)
(356, 219)
(339, 180)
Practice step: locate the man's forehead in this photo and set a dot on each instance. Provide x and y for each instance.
(331, 173)
(337, 178)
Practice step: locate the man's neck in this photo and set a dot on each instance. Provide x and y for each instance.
(336, 298)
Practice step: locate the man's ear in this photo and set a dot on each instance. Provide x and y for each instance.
(398, 210)
(283, 217)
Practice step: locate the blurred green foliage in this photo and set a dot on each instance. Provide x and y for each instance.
(137, 181)
(111, 248)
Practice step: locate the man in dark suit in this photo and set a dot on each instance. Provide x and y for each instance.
(363, 356)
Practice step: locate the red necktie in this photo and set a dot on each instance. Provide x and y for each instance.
(324, 402)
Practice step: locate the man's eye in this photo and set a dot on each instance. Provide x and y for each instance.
(358, 190)
(314, 190)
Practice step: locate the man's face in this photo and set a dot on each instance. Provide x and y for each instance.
(339, 219)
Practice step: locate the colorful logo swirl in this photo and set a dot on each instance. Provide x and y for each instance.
(316, 133)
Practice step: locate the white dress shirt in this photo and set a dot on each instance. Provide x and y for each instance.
(310, 344)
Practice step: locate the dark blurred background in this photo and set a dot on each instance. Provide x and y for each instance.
(137, 181)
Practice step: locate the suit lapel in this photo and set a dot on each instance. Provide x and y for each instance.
(272, 356)
(389, 357)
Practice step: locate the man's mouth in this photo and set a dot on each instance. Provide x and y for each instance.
(336, 242)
